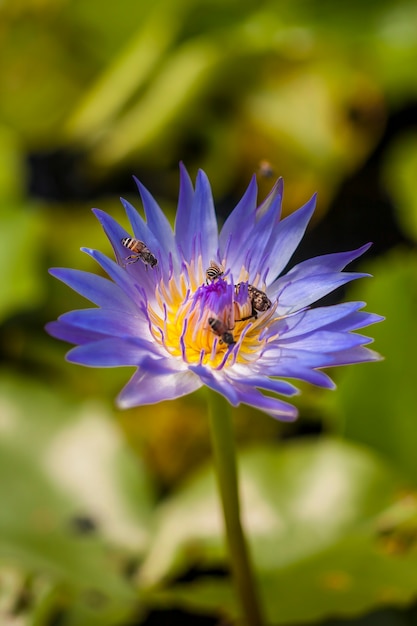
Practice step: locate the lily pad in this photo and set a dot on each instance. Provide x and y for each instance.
(316, 514)
(75, 503)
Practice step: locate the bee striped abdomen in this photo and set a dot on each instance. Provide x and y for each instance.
(213, 272)
(140, 251)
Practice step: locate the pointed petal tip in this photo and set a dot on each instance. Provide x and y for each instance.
(137, 183)
(49, 326)
(306, 209)
(70, 358)
(357, 252)
(202, 179)
(99, 214)
(183, 169)
(124, 400)
(376, 319)
(91, 252)
(184, 174)
(52, 329)
(290, 416)
(141, 187)
(279, 185)
(253, 185)
(130, 210)
(277, 188)
(122, 403)
(126, 204)
(309, 207)
(313, 199)
(355, 275)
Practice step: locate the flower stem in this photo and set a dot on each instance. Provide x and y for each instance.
(225, 461)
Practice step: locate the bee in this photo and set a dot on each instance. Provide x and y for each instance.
(258, 299)
(213, 272)
(221, 330)
(265, 169)
(140, 251)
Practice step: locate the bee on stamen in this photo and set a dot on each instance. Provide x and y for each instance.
(258, 299)
(221, 330)
(140, 251)
(213, 272)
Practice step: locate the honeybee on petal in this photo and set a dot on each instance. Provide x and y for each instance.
(140, 251)
(220, 329)
(258, 299)
(213, 272)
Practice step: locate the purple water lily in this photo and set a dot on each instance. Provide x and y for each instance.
(238, 328)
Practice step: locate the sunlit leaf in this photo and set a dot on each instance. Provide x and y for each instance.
(75, 504)
(127, 72)
(316, 515)
(183, 76)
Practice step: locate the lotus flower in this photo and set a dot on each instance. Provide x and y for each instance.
(194, 306)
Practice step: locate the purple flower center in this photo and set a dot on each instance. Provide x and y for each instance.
(210, 324)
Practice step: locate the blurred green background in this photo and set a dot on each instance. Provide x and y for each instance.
(111, 518)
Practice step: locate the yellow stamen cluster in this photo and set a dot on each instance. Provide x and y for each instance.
(179, 320)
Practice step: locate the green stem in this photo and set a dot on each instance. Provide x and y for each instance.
(225, 461)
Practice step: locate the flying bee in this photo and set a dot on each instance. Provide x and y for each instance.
(140, 251)
(258, 299)
(221, 330)
(213, 272)
(265, 169)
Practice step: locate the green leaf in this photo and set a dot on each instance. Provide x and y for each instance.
(376, 403)
(128, 71)
(21, 246)
(400, 179)
(183, 76)
(75, 504)
(321, 529)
